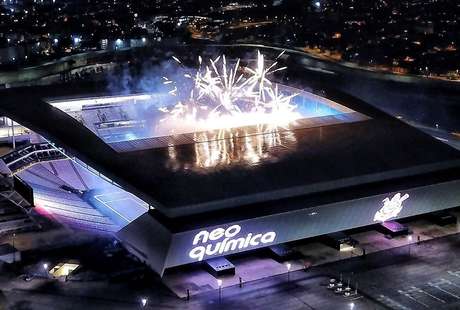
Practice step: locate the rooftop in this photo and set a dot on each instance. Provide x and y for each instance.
(248, 169)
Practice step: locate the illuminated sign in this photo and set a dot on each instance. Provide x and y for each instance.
(220, 241)
(391, 207)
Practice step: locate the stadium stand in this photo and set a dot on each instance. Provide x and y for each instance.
(52, 196)
(66, 171)
(59, 186)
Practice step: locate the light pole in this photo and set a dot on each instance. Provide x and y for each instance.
(144, 302)
(14, 249)
(409, 238)
(288, 267)
(45, 269)
(12, 133)
(219, 284)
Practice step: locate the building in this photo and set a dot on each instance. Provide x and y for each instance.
(343, 165)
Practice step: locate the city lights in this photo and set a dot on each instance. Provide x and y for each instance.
(306, 153)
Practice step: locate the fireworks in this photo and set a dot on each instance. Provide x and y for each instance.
(227, 95)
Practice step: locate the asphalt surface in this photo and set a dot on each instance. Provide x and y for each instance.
(425, 276)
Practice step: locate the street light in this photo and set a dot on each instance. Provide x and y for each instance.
(219, 284)
(288, 267)
(14, 249)
(409, 238)
(45, 269)
(144, 301)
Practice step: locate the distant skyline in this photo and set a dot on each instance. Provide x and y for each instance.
(404, 37)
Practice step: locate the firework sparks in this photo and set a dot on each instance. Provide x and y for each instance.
(227, 95)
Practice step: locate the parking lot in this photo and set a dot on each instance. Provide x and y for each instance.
(424, 276)
(434, 294)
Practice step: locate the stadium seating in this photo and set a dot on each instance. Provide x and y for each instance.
(65, 206)
(75, 196)
(66, 171)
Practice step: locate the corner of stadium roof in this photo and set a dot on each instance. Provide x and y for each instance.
(216, 197)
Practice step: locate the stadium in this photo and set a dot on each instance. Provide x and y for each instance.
(240, 163)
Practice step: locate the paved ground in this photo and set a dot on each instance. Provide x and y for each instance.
(255, 267)
(303, 291)
(425, 276)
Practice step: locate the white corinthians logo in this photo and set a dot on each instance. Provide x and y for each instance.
(391, 207)
(220, 241)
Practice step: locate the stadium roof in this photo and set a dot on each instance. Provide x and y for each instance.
(310, 162)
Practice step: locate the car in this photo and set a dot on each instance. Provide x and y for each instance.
(27, 277)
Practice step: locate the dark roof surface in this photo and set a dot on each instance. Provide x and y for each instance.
(312, 160)
(313, 201)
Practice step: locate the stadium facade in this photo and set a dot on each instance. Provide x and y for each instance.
(197, 196)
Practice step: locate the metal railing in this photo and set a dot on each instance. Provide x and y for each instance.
(26, 156)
